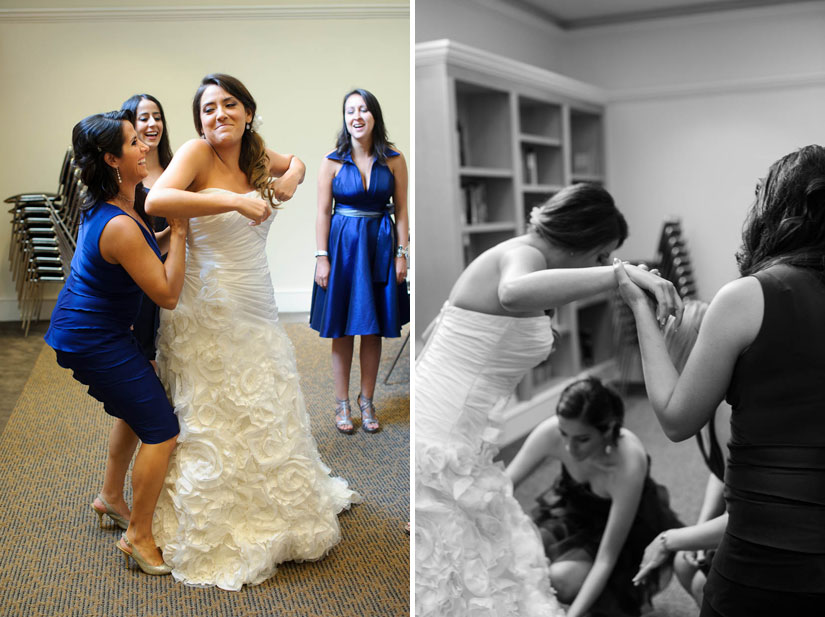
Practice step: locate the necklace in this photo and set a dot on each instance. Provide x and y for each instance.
(126, 199)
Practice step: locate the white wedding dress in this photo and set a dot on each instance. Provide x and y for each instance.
(246, 488)
(477, 554)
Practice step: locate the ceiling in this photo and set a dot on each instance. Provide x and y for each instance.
(574, 14)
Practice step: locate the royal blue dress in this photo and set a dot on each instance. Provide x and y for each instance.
(362, 295)
(90, 330)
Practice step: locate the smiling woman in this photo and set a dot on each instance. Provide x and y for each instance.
(150, 125)
(117, 257)
(247, 462)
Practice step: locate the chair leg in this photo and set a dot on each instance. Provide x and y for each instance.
(397, 356)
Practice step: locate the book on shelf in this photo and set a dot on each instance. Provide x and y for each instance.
(475, 203)
(531, 168)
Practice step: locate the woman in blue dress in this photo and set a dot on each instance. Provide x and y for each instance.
(361, 261)
(117, 258)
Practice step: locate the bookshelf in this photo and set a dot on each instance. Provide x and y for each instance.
(494, 139)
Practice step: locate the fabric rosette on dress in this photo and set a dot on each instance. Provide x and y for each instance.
(476, 552)
(246, 488)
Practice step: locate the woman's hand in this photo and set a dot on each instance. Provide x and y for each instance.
(257, 210)
(284, 187)
(634, 281)
(322, 271)
(400, 269)
(655, 555)
(179, 226)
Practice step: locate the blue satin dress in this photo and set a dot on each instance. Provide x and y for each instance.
(90, 330)
(362, 295)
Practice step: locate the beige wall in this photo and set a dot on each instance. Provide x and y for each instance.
(56, 68)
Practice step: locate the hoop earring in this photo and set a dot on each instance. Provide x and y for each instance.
(117, 171)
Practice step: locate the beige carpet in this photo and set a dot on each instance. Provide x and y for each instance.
(55, 561)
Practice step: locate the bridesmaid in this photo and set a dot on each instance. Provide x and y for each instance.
(361, 261)
(150, 124)
(117, 257)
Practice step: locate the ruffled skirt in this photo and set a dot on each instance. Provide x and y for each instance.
(477, 553)
(246, 488)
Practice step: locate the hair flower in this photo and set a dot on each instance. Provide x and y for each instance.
(257, 121)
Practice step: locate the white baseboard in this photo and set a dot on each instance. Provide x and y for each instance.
(295, 301)
(522, 417)
(10, 310)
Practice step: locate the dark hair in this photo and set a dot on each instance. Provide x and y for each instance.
(92, 138)
(164, 149)
(580, 217)
(381, 145)
(253, 160)
(786, 223)
(594, 404)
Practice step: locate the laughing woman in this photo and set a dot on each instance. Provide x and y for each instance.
(361, 261)
(150, 124)
(117, 257)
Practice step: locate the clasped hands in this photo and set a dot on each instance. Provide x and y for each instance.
(644, 289)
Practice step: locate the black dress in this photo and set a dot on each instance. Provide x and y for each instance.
(771, 560)
(148, 317)
(570, 516)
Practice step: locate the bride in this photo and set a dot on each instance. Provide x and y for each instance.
(477, 553)
(246, 488)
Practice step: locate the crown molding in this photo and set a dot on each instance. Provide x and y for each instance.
(190, 13)
(445, 51)
(732, 86)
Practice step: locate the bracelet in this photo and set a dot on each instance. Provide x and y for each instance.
(321, 254)
(663, 540)
(400, 251)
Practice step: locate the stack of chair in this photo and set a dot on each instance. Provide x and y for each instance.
(674, 264)
(43, 237)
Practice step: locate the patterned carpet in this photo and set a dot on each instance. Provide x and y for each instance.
(55, 561)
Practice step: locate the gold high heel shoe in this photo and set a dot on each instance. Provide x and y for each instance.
(120, 521)
(140, 561)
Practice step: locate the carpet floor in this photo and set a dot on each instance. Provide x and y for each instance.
(55, 561)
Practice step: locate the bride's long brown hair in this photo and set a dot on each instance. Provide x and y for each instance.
(253, 160)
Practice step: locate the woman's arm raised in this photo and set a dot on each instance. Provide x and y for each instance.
(683, 404)
(122, 242)
(526, 285)
(170, 195)
(289, 172)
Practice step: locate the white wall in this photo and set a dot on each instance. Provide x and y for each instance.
(490, 25)
(297, 59)
(699, 108)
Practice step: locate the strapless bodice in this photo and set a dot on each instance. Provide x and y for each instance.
(469, 368)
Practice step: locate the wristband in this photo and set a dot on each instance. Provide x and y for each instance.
(321, 254)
